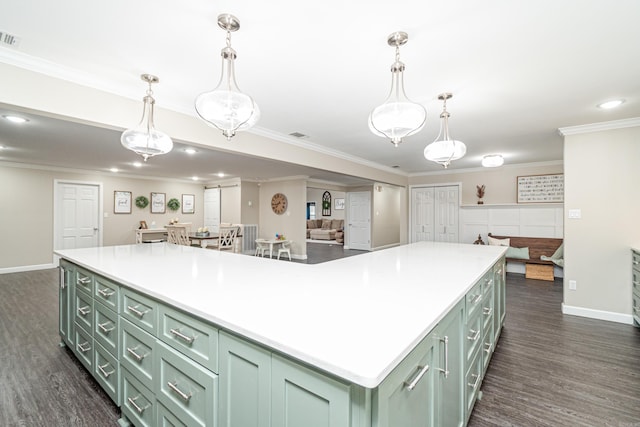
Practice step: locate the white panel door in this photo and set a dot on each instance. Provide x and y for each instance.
(447, 214)
(359, 220)
(422, 214)
(79, 214)
(212, 209)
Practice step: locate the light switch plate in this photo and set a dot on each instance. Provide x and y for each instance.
(575, 214)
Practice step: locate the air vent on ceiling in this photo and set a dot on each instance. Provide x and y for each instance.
(298, 135)
(9, 40)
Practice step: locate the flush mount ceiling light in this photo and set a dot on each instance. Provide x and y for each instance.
(444, 150)
(611, 104)
(145, 139)
(492, 160)
(190, 150)
(15, 119)
(226, 107)
(397, 117)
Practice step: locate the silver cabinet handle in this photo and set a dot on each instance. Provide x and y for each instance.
(105, 373)
(474, 335)
(487, 311)
(63, 274)
(411, 384)
(179, 392)
(137, 312)
(185, 338)
(105, 292)
(476, 299)
(475, 384)
(84, 310)
(84, 347)
(83, 280)
(132, 401)
(104, 328)
(132, 351)
(445, 371)
(488, 349)
(635, 262)
(635, 283)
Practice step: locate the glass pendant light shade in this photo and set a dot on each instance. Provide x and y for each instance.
(445, 149)
(226, 107)
(397, 117)
(145, 139)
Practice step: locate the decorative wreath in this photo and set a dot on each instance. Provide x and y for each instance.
(142, 202)
(173, 204)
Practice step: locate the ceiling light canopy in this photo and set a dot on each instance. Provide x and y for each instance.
(611, 104)
(226, 107)
(145, 139)
(492, 160)
(445, 150)
(397, 117)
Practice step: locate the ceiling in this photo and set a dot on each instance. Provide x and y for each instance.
(518, 71)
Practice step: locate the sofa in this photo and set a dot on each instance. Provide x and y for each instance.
(324, 229)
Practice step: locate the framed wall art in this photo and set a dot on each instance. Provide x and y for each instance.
(122, 202)
(338, 204)
(541, 188)
(188, 203)
(158, 203)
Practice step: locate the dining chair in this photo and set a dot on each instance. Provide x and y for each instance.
(227, 238)
(261, 247)
(285, 248)
(178, 235)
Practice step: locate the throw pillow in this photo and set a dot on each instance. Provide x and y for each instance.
(311, 224)
(519, 253)
(559, 253)
(326, 224)
(499, 242)
(336, 224)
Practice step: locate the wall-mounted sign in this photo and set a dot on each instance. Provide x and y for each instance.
(541, 189)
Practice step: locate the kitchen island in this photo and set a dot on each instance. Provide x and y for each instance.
(203, 337)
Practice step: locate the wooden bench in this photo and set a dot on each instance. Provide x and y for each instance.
(535, 268)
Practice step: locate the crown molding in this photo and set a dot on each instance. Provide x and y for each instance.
(598, 127)
(483, 169)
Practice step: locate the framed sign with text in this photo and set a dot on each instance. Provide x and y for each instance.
(541, 188)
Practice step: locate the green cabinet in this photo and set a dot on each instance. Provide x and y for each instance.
(245, 383)
(635, 287)
(66, 298)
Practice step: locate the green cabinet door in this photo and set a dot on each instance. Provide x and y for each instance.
(449, 372)
(245, 383)
(499, 295)
(302, 397)
(66, 299)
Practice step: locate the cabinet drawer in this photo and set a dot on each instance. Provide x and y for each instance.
(136, 352)
(487, 308)
(137, 401)
(84, 311)
(185, 388)
(189, 336)
(107, 372)
(105, 327)
(139, 310)
(636, 305)
(487, 347)
(635, 280)
(84, 281)
(474, 299)
(107, 293)
(166, 418)
(472, 383)
(635, 260)
(473, 335)
(84, 348)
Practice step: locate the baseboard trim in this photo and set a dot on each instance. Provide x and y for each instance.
(597, 314)
(24, 268)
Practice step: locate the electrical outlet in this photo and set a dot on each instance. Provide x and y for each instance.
(572, 285)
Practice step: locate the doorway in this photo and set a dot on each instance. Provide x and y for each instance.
(435, 213)
(359, 220)
(77, 219)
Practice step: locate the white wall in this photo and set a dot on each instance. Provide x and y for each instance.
(385, 219)
(314, 194)
(601, 179)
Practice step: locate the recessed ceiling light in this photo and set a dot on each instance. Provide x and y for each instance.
(190, 150)
(137, 164)
(114, 170)
(492, 160)
(220, 174)
(611, 104)
(15, 119)
(195, 178)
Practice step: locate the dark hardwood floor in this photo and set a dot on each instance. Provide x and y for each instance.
(548, 369)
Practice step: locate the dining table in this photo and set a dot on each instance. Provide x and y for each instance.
(211, 237)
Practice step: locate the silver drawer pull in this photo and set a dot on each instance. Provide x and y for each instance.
(488, 349)
(474, 335)
(635, 262)
(416, 379)
(487, 311)
(105, 292)
(182, 336)
(63, 274)
(636, 283)
(84, 310)
(476, 299)
(137, 312)
(105, 373)
(475, 384)
(84, 280)
(84, 347)
(179, 392)
(104, 328)
(445, 371)
(132, 401)
(132, 351)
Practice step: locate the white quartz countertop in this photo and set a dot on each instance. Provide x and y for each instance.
(356, 317)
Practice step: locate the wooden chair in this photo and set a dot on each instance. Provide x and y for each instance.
(261, 247)
(285, 248)
(178, 235)
(227, 238)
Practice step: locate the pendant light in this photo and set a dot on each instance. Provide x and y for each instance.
(397, 117)
(445, 150)
(145, 139)
(226, 107)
